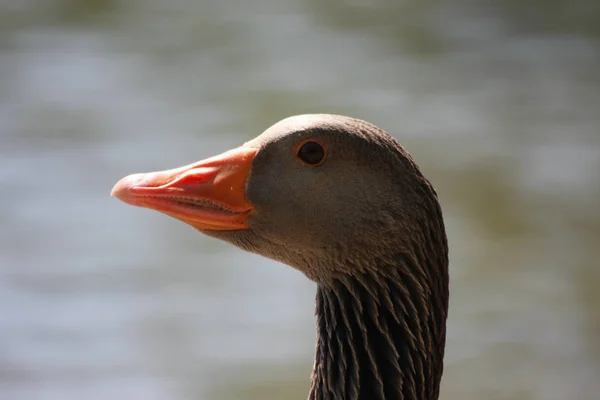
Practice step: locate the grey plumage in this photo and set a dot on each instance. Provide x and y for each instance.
(362, 222)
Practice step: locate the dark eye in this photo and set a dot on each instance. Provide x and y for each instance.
(312, 153)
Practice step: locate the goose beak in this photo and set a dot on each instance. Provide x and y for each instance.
(208, 195)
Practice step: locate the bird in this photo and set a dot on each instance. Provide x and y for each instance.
(344, 203)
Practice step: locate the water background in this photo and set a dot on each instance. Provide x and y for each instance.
(498, 101)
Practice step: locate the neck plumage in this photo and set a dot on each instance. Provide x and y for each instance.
(381, 336)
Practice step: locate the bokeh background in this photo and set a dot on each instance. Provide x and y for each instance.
(499, 102)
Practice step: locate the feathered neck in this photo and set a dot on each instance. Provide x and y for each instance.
(381, 335)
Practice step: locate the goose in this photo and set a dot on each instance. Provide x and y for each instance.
(344, 203)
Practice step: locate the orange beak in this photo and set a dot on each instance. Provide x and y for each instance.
(208, 195)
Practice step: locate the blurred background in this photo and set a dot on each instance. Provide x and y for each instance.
(499, 102)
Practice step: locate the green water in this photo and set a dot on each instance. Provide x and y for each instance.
(499, 102)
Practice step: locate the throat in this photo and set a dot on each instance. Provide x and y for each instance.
(379, 337)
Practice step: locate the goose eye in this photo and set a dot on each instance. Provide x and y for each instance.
(311, 153)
